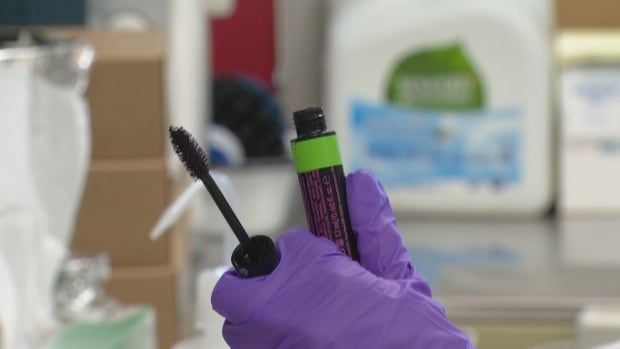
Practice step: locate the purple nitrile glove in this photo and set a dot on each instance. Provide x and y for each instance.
(318, 297)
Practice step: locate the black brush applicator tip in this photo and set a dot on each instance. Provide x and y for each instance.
(189, 152)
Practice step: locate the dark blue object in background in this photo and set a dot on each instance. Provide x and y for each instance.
(41, 12)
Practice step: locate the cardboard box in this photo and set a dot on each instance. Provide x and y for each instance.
(125, 92)
(587, 14)
(154, 286)
(121, 203)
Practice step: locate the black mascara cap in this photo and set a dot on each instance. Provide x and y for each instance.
(309, 122)
(260, 258)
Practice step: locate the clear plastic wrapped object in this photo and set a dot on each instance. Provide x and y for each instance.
(79, 292)
(44, 157)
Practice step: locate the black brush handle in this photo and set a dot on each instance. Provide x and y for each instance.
(226, 210)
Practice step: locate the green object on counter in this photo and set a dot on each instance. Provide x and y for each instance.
(134, 331)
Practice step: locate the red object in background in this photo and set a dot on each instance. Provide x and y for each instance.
(244, 43)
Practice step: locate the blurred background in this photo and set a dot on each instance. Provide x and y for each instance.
(494, 125)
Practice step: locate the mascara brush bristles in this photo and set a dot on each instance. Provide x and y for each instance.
(189, 152)
(195, 160)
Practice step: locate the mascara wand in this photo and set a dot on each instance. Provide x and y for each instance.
(255, 255)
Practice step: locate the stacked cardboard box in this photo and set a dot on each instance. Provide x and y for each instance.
(128, 184)
(587, 14)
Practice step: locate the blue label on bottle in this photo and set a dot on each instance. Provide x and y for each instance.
(424, 147)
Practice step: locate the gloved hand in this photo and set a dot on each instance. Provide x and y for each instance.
(318, 297)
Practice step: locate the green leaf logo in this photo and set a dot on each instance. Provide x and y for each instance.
(438, 78)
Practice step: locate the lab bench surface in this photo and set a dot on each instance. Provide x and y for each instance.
(514, 283)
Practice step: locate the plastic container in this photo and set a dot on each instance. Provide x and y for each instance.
(447, 101)
(589, 104)
(208, 322)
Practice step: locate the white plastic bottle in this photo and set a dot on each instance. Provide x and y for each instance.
(447, 101)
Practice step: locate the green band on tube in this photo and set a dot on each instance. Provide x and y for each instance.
(315, 153)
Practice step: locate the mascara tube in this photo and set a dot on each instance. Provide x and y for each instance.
(321, 177)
